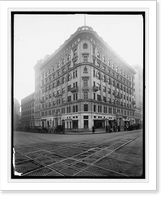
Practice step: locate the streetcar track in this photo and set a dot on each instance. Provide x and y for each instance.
(75, 145)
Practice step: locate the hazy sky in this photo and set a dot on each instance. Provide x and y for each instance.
(38, 35)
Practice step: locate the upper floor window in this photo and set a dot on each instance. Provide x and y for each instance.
(63, 61)
(85, 82)
(74, 52)
(85, 107)
(68, 57)
(85, 46)
(93, 50)
(85, 58)
(98, 54)
(85, 95)
(75, 74)
(58, 65)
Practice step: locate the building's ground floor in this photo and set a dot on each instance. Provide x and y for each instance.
(85, 121)
(27, 123)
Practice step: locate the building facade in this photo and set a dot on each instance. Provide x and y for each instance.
(139, 93)
(84, 84)
(27, 111)
(16, 114)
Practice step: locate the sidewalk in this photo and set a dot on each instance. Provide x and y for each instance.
(84, 132)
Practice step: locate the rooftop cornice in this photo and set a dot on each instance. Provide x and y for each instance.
(87, 29)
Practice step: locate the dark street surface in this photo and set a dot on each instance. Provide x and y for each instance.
(104, 155)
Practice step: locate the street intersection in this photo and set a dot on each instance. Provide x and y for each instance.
(103, 155)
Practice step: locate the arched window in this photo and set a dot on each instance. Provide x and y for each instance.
(85, 46)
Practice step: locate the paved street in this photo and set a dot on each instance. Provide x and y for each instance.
(107, 155)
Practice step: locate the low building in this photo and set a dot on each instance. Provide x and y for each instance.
(27, 111)
(16, 114)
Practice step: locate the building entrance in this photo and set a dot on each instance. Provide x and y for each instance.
(75, 124)
(99, 123)
(85, 123)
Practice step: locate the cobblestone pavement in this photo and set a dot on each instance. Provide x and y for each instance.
(112, 155)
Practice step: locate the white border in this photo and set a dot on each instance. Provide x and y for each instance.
(150, 182)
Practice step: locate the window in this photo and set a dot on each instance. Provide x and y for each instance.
(63, 70)
(104, 89)
(63, 110)
(99, 108)
(58, 82)
(110, 110)
(68, 109)
(86, 117)
(63, 90)
(85, 82)
(99, 97)
(69, 88)
(94, 96)
(63, 100)
(63, 61)
(58, 92)
(75, 96)
(99, 86)
(74, 63)
(75, 108)
(94, 108)
(85, 107)
(54, 103)
(69, 77)
(93, 50)
(63, 80)
(75, 84)
(75, 74)
(85, 58)
(98, 54)
(85, 46)
(105, 109)
(68, 57)
(93, 72)
(58, 65)
(114, 111)
(94, 61)
(104, 99)
(69, 98)
(85, 95)
(74, 52)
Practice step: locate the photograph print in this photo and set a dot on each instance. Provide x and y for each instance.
(78, 95)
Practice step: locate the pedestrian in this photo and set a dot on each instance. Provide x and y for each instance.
(93, 129)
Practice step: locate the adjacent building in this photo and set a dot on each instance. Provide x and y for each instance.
(16, 114)
(27, 111)
(83, 84)
(139, 94)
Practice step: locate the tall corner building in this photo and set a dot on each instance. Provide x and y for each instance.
(84, 84)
